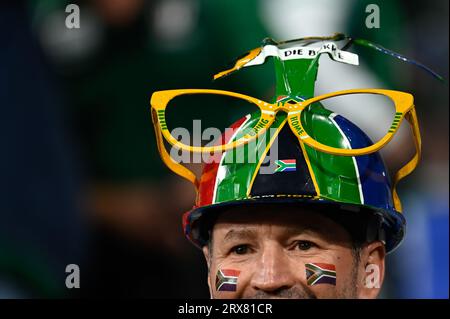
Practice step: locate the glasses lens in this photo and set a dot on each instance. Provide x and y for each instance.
(350, 121)
(206, 119)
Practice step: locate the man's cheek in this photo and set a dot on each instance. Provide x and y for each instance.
(320, 274)
(322, 279)
(227, 280)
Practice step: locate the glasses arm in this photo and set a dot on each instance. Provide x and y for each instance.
(411, 117)
(175, 167)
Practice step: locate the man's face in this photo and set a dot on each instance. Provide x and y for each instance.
(268, 253)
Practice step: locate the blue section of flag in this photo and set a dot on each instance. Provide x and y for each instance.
(375, 181)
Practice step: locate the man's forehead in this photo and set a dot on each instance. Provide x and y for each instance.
(239, 231)
(289, 219)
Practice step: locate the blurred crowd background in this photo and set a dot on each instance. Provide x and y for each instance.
(80, 177)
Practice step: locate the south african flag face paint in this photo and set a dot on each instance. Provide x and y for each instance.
(319, 273)
(226, 279)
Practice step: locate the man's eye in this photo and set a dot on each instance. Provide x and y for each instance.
(305, 245)
(240, 250)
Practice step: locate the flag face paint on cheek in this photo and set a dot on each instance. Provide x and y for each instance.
(320, 273)
(226, 279)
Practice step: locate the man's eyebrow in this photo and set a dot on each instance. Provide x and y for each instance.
(307, 229)
(236, 234)
(293, 230)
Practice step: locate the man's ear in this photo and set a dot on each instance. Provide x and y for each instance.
(207, 255)
(372, 276)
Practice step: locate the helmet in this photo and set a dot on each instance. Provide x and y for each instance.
(347, 185)
(302, 176)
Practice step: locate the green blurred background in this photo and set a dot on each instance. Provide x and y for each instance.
(82, 182)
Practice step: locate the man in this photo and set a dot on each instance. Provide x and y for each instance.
(319, 226)
(282, 239)
(296, 222)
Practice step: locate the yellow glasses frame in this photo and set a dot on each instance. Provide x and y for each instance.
(404, 109)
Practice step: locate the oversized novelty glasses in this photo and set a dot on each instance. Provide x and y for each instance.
(401, 101)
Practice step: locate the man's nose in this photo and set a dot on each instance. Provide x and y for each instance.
(273, 272)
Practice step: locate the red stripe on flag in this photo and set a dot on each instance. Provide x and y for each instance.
(208, 179)
(230, 272)
(325, 266)
(288, 161)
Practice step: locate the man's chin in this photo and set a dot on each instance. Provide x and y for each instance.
(283, 294)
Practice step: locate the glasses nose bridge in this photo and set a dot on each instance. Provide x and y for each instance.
(287, 107)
